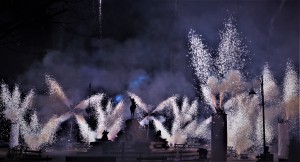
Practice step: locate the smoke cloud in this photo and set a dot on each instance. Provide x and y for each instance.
(153, 46)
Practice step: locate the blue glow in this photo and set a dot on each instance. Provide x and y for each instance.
(136, 83)
(118, 98)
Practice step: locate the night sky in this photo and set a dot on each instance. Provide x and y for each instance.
(142, 46)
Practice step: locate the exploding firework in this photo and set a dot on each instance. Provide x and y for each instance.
(36, 136)
(200, 57)
(141, 105)
(110, 118)
(184, 119)
(231, 50)
(184, 122)
(222, 78)
(15, 109)
(225, 80)
(271, 90)
(242, 112)
(290, 92)
(230, 60)
(56, 91)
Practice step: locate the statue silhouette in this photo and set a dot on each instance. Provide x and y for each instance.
(132, 107)
(104, 136)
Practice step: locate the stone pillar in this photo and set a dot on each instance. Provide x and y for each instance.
(219, 137)
(283, 140)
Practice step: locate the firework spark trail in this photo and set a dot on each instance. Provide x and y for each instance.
(14, 135)
(199, 130)
(190, 110)
(290, 91)
(230, 57)
(145, 121)
(34, 125)
(183, 125)
(115, 119)
(95, 99)
(245, 111)
(140, 102)
(110, 119)
(115, 128)
(272, 105)
(101, 116)
(36, 136)
(269, 130)
(168, 103)
(100, 17)
(201, 58)
(27, 101)
(56, 90)
(209, 98)
(271, 90)
(232, 84)
(15, 103)
(15, 109)
(176, 129)
(159, 127)
(212, 87)
(86, 133)
(12, 103)
(203, 129)
(230, 50)
(241, 112)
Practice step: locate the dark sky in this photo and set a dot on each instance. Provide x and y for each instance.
(140, 39)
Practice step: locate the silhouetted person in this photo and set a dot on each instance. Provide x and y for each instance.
(132, 107)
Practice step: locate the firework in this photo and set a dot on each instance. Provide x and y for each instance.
(15, 109)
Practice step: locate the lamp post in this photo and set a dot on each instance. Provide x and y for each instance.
(263, 111)
(266, 156)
